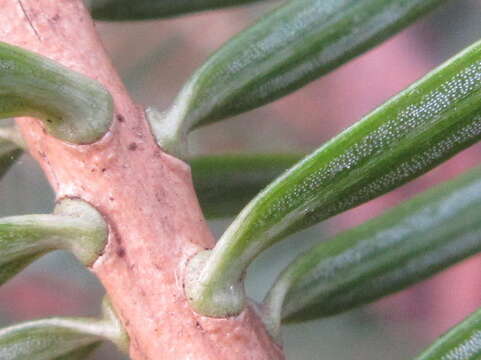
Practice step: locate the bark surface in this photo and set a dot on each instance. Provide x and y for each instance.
(145, 195)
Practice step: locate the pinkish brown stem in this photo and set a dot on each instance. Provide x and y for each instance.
(145, 194)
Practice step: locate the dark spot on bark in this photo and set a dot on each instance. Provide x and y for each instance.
(132, 146)
(198, 325)
(120, 118)
(159, 196)
(56, 18)
(49, 120)
(121, 252)
(111, 198)
(104, 169)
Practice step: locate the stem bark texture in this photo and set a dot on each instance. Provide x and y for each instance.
(146, 196)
